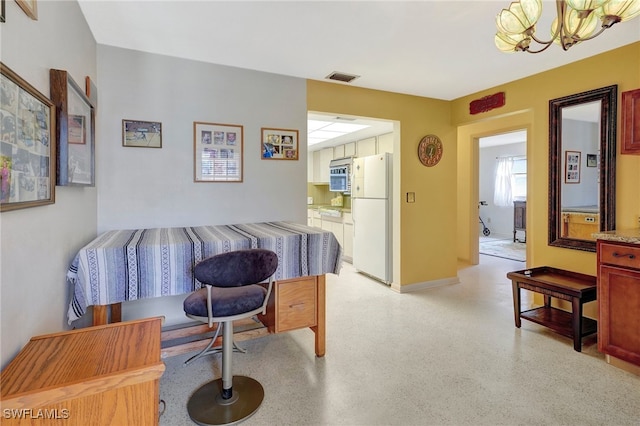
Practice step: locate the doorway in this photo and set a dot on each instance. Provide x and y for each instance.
(502, 195)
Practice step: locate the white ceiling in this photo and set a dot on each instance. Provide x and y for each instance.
(437, 49)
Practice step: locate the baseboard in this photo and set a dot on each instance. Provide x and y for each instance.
(425, 285)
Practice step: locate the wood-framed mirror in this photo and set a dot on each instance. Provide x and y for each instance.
(582, 160)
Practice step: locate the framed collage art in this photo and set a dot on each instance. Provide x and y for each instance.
(27, 146)
(572, 166)
(279, 144)
(218, 152)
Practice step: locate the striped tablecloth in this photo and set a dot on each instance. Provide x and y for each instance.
(143, 263)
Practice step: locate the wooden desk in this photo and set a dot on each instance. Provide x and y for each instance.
(134, 264)
(551, 282)
(294, 304)
(106, 375)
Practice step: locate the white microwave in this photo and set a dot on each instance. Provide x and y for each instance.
(340, 175)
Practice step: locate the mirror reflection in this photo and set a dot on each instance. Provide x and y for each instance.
(582, 142)
(580, 211)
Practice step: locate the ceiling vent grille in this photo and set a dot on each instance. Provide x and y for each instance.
(340, 76)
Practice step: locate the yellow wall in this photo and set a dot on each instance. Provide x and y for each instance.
(527, 106)
(442, 224)
(424, 238)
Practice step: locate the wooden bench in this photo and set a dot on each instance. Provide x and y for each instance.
(551, 282)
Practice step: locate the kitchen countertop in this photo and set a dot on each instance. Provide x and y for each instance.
(328, 207)
(623, 235)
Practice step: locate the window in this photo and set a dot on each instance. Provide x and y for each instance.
(519, 178)
(511, 180)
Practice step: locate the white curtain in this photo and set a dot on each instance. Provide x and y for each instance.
(503, 195)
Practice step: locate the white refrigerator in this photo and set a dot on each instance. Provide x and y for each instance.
(371, 209)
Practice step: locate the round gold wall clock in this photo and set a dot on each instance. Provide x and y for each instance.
(430, 150)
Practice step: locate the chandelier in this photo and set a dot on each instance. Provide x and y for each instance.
(576, 22)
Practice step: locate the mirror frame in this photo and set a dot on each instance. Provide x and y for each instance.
(607, 197)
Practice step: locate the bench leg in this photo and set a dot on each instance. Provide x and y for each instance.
(576, 310)
(516, 303)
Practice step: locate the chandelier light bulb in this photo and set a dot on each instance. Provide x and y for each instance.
(586, 5)
(622, 9)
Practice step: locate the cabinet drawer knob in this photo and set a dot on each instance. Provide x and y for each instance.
(630, 256)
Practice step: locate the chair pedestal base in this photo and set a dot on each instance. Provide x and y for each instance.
(207, 407)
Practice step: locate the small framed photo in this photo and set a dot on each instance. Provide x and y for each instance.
(279, 144)
(141, 134)
(572, 166)
(77, 129)
(75, 119)
(218, 152)
(592, 160)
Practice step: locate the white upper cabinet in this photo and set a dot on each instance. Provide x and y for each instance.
(385, 143)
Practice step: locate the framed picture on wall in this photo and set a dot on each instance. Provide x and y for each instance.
(30, 7)
(572, 166)
(279, 144)
(27, 144)
(592, 160)
(75, 131)
(218, 152)
(142, 134)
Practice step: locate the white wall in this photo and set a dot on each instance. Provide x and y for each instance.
(38, 243)
(583, 137)
(145, 188)
(498, 219)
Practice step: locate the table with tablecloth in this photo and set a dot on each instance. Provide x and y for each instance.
(135, 264)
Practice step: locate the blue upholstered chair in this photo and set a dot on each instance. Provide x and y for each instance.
(232, 292)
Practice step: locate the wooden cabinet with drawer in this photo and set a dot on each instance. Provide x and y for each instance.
(292, 305)
(103, 375)
(619, 300)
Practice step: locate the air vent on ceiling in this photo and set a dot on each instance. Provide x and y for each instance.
(340, 76)
(345, 118)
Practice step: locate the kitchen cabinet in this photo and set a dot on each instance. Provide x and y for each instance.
(385, 143)
(316, 219)
(310, 167)
(619, 300)
(366, 147)
(321, 160)
(338, 151)
(350, 149)
(334, 224)
(631, 122)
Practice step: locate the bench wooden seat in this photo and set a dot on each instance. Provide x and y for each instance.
(552, 282)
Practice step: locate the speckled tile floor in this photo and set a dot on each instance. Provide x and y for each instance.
(443, 356)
